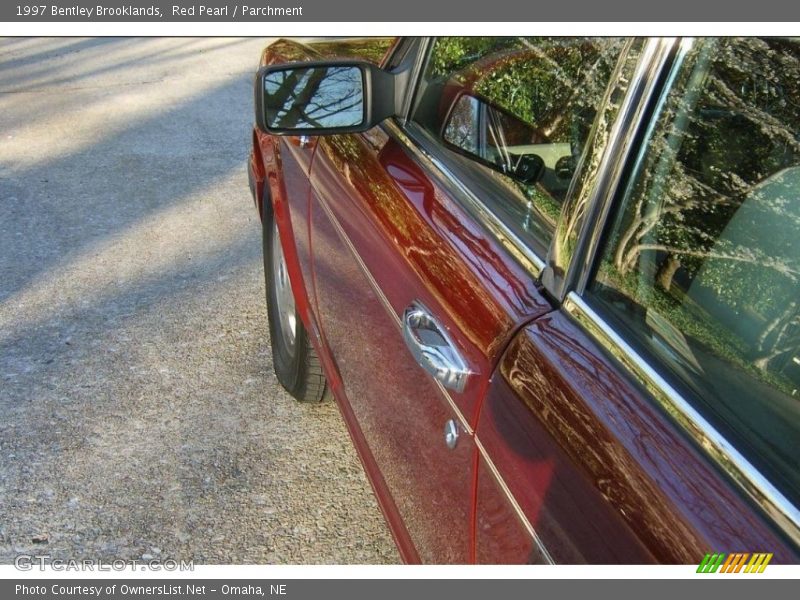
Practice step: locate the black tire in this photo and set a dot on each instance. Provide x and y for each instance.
(296, 365)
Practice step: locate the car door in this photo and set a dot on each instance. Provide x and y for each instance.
(402, 271)
(421, 249)
(654, 416)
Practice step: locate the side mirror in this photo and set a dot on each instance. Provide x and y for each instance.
(492, 136)
(319, 98)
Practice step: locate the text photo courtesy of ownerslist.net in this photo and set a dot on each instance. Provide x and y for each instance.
(231, 11)
(165, 589)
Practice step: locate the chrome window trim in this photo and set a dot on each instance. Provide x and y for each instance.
(523, 254)
(729, 460)
(571, 256)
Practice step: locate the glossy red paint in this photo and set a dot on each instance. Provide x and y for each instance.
(571, 436)
(564, 445)
(294, 232)
(397, 527)
(383, 385)
(500, 534)
(286, 164)
(550, 492)
(433, 250)
(258, 176)
(384, 235)
(372, 233)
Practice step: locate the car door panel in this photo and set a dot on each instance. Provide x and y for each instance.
(503, 534)
(420, 241)
(383, 236)
(399, 410)
(566, 511)
(621, 483)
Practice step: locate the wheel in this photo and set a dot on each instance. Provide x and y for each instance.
(294, 359)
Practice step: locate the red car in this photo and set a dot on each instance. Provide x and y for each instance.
(552, 284)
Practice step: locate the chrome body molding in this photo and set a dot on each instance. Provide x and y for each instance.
(584, 213)
(727, 458)
(493, 224)
(517, 509)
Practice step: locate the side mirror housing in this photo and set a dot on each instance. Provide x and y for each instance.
(324, 97)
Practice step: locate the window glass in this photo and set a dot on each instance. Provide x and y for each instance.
(702, 262)
(513, 116)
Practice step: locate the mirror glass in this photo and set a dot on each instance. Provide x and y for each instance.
(494, 137)
(308, 98)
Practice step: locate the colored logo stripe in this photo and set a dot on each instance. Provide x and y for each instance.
(711, 563)
(735, 562)
(728, 564)
(758, 563)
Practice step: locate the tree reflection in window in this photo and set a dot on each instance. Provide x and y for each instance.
(704, 261)
(546, 91)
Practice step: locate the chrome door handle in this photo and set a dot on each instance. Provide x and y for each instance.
(432, 348)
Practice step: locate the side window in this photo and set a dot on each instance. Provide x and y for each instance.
(513, 116)
(701, 266)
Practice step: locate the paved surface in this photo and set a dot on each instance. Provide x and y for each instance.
(140, 415)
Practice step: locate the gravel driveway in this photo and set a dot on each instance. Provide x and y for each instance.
(140, 414)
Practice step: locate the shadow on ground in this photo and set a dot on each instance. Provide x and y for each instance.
(140, 414)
